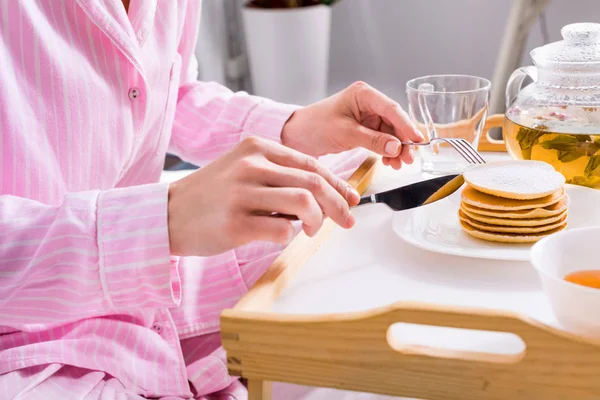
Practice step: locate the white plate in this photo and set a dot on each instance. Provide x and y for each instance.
(435, 227)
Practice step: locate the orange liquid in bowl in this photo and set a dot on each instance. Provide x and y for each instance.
(589, 278)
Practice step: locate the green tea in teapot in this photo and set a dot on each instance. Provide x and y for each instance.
(556, 117)
(568, 138)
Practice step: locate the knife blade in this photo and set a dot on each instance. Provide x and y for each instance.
(416, 194)
(409, 196)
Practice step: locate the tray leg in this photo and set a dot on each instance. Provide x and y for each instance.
(259, 390)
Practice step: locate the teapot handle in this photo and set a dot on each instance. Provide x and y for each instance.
(513, 87)
(515, 82)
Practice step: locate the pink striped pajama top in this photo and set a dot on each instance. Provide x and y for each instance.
(91, 98)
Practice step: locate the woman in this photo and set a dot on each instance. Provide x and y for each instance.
(96, 302)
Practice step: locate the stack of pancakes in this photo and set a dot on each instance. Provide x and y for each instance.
(513, 201)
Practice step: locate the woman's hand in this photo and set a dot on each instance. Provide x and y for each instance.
(229, 202)
(358, 116)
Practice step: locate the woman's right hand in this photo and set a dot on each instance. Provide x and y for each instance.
(229, 202)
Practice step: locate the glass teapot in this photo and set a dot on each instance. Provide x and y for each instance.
(556, 118)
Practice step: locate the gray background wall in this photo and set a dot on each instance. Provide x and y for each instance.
(387, 42)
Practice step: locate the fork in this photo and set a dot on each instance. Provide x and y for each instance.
(462, 146)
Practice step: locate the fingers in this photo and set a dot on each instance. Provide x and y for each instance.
(287, 157)
(276, 230)
(396, 163)
(378, 142)
(288, 182)
(370, 99)
(292, 201)
(332, 203)
(406, 155)
(386, 145)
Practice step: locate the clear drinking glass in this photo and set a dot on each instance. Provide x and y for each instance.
(447, 106)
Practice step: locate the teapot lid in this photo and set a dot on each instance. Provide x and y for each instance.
(580, 44)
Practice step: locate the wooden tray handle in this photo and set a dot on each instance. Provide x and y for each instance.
(544, 339)
(466, 319)
(486, 142)
(450, 317)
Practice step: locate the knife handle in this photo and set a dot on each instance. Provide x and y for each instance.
(370, 199)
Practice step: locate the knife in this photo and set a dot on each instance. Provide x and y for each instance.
(416, 194)
(409, 196)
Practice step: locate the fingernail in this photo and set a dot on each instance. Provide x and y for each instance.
(350, 220)
(307, 230)
(391, 148)
(352, 195)
(418, 132)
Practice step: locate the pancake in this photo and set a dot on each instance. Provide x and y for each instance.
(507, 237)
(543, 212)
(520, 180)
(513, 222)
(475, 198)
(482, 226)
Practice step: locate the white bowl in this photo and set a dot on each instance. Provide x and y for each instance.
(576, 307)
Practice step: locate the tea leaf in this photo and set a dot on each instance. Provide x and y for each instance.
(528, 137)
(583, 138)
(592, 148)
(592, 181)
(592, 165)
(568, 156)
(561, 143)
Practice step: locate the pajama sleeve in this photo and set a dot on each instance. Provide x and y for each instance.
(96, 253)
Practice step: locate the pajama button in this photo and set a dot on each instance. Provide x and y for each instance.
(134, 93)
(156, 327)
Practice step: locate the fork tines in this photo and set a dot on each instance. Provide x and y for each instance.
(465, 149)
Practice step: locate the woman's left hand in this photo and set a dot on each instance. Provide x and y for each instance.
(358, 116)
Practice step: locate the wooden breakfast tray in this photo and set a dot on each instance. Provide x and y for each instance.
(278, 331)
